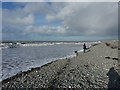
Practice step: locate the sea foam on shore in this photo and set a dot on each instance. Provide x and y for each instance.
(20, 59)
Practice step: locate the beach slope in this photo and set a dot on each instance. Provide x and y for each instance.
(97, 68)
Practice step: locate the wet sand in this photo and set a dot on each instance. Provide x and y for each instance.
(97, 68)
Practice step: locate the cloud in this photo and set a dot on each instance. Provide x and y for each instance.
(88, 18)
(39, 8)
(45, 30)
(73, 19)
(26, 20)
(21, 20)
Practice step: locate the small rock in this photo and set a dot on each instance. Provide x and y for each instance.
(86, 65)
(115, 58)
(107, 57)
(69, 86)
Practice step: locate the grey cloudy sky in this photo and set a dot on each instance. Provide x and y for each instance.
(59, 21)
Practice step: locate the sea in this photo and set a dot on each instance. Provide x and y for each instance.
(30, 55)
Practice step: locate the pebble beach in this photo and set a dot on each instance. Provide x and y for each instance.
(98, 67)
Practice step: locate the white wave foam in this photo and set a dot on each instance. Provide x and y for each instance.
(45, 44)
(50, 59)
(6, 45)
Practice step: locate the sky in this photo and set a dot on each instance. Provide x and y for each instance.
(59, 21)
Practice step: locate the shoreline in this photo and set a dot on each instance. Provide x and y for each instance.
(62, 67)
(73, 54)
(30, 69)
(38, 67)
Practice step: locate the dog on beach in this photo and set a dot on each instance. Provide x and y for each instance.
(76, 53)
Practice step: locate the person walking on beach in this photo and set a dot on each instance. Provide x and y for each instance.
(84, 47)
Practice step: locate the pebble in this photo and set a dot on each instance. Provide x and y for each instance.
(70, 87)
